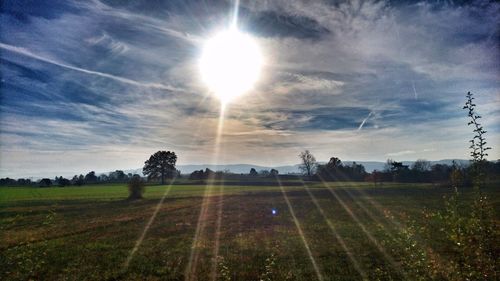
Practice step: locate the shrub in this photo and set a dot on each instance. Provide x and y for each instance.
(135, 188)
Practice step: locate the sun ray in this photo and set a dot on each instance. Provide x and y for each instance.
(337, 235)
(301, 233)
(205, 208)
(363, 228)
(234, 20)
(213, 273)
(295, 220)
(220, 129)
(148, 225)
(200, 226)
(396, 225)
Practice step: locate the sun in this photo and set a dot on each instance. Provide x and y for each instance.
(230, 64)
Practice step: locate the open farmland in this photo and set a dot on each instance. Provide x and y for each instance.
(333, 231)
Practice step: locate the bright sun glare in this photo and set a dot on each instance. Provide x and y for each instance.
(230, 64)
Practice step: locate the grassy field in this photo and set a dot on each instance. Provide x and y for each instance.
(333, 231)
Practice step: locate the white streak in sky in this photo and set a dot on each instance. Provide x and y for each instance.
(25, 52)
(414, 90)
(364, 120)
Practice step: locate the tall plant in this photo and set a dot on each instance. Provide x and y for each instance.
(478, 142)
(467, 229)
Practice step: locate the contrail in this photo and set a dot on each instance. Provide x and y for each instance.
(25, 52)
(364, 121)
(414, 90)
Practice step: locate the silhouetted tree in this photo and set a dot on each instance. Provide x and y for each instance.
(160, 165)
(334, 162)
(91, 177)
(396, 171)
(420, 171)
(103, 178)
(7, 181)
(23, 181)
(440, 172)
(253, 172)
(273, 172)
(308, 163)
(354, 171)
(209, 173)
(264, 173)
(397, 166)
(197, 175)
(118, 175)
(330, 170)
(388, 165)
(78, 180)
(399, 171)
(45, 182)
(62, 181)
(335, 170)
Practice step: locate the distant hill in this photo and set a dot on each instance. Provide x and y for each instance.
(238, 168)
(370, 166)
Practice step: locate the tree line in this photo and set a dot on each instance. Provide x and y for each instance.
(117, 176)
(421, 171)
(161, 167)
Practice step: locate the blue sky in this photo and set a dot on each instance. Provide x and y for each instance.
(101, 85)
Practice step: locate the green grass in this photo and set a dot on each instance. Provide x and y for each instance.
(87, 232)
(103, 192)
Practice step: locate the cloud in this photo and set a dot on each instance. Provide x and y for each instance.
(102, 84)
(277, 24)
(293, 82)
(24, 52)
(107, 42)
(401, 153)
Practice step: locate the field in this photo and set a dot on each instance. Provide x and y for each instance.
(329, 231)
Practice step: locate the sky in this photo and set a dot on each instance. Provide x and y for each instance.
(101, 85)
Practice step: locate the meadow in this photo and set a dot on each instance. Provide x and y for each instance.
(328, 231)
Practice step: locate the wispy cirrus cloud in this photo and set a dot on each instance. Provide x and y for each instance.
(25, 52)
(359, 80)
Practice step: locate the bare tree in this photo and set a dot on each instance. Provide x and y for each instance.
(308, 165)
